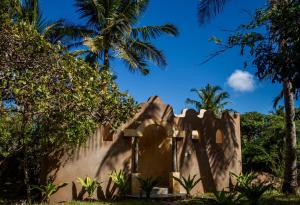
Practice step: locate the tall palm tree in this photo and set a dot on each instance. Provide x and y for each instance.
(115, 35)
(30, 12)
(211, 98)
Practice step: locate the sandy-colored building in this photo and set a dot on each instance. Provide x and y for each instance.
(156, 142)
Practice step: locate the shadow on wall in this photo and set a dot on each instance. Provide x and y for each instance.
(214, 160)
(155, 154)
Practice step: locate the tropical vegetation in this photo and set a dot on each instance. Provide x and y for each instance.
(57, 87)
(89, 185)
(147, 184)
(112, 33)
(188, 183)
(274, 52)
(120, 179)
(210, 98)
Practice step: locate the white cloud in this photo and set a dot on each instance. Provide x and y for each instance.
(242, 81)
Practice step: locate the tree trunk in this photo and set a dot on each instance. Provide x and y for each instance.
(26, 177)
(106, 59)
(290, 172)
(25, 158)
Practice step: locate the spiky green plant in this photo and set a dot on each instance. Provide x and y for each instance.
(120, 178)
(243, 179)
(188, 183)
(226, 198)
(253, 191)
(89, 185)
(48, 190)
(148, 184)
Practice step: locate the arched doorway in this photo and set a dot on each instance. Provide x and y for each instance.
(155, 154)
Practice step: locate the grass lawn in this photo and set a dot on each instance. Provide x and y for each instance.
(268, 199)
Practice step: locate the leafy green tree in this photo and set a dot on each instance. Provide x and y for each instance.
(252, 124)
(262, 139)
(114, 34)
(211, 98)
(275, 54)
(53, 99)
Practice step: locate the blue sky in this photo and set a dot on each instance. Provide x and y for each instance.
(185, 54)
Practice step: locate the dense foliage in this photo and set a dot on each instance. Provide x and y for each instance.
(49, 99)
(262, 142)
(272, 42)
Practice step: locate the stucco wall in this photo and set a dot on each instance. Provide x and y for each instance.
(96, 160)
(203, 157)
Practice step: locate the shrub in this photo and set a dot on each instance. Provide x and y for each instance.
(120, 179)
(147, 184)
(226, 198)
(48, 190)
(252, 191)
(89, 185)
(188, 183)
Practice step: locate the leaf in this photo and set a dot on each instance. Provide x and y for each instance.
(215, 40)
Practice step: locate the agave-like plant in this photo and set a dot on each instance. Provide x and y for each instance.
(120, 179)
(148, 184)
(48, 190)
(188, 183)
(252, 191)
(89, 185)
(226, 198)
(243, 179)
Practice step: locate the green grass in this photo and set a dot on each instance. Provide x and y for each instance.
(271, 198)
(123, 202)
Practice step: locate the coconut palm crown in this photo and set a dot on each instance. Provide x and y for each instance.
(114, 34)
(211, 98)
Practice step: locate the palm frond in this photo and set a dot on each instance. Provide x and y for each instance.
(148, 51)
(148, 32)
(195, 103)
(132, 59)
(65, 32)
(209, 8)
(92, 10)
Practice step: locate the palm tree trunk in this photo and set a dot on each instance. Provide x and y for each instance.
(106, 59)
(290, 172)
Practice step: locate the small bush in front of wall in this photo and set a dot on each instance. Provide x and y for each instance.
(226, 198)
(188, 183)
(120, 179)
(253, 191)
(48, 190)
(148, 184)
(89, 185)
